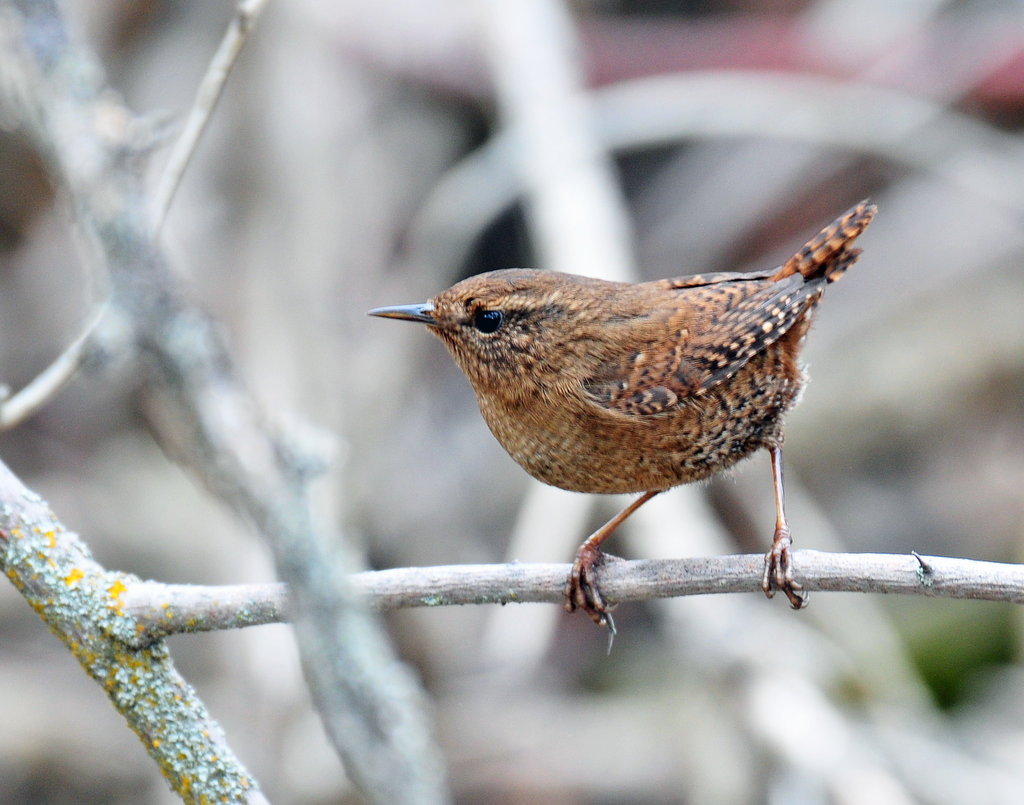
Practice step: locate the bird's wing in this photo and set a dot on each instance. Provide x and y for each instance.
(700, 338)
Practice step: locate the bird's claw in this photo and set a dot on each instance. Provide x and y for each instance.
(778, 570)
(582, 590)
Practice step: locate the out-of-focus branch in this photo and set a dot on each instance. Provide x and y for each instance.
(666, 110)
(372, 706)
(83, 604)
(578, 217)
(162, 609)
(18, 407)
(209, 92)
(908, 129)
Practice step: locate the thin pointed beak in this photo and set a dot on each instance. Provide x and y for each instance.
(420, 313)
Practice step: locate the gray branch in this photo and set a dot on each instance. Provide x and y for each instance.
(162, 609)
(209, 92)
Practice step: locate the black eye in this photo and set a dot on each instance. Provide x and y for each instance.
(487, 321)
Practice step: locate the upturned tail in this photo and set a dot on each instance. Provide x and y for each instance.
(829, 253)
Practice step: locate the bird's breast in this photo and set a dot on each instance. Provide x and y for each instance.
(567, 440)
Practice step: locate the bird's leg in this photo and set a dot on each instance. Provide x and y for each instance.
(778, 562)
(581, 590)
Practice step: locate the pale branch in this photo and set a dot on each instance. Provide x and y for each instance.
(209, 92)
(671, 109)
(196, 402)
(163, 609)
(910, 130)
(20, 406)
(646, 579)
(576, 208)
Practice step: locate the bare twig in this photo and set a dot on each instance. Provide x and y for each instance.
(847, 35)
(17, 408)
(209, 92)
(913, 131)
(162, 609)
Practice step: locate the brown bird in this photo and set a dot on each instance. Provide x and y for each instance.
(611, 387)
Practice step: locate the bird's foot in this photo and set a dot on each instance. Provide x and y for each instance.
(778, 570)
(582, 590)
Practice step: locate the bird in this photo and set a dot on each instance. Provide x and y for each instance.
(613, 387)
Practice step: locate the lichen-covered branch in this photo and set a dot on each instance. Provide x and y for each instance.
(83, 604)
(202, 412)
(158, 610)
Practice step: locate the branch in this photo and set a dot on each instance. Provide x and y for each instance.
(668, 110)
(17, 408)
(82, 603)
(209, 92)
(159, 610)
(577, 214)
(163, 609)
(646, 579)
(372, 706)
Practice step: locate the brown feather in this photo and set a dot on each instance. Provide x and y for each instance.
(600, 386)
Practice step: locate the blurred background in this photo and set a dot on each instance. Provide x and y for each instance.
(375, 153)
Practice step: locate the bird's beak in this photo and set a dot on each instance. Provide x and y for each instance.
(421, 313)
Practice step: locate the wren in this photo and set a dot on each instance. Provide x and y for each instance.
(611, 387)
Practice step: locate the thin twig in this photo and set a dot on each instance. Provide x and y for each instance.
(17, 408)
(162, 609)
(209, 92)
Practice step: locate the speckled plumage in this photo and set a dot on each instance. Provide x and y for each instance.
(598, 386)
(621, 400)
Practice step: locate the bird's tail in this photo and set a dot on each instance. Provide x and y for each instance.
(829, 253)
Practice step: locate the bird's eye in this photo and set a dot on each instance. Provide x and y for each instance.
(487, 321)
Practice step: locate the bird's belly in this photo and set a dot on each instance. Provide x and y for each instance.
(588, 449)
